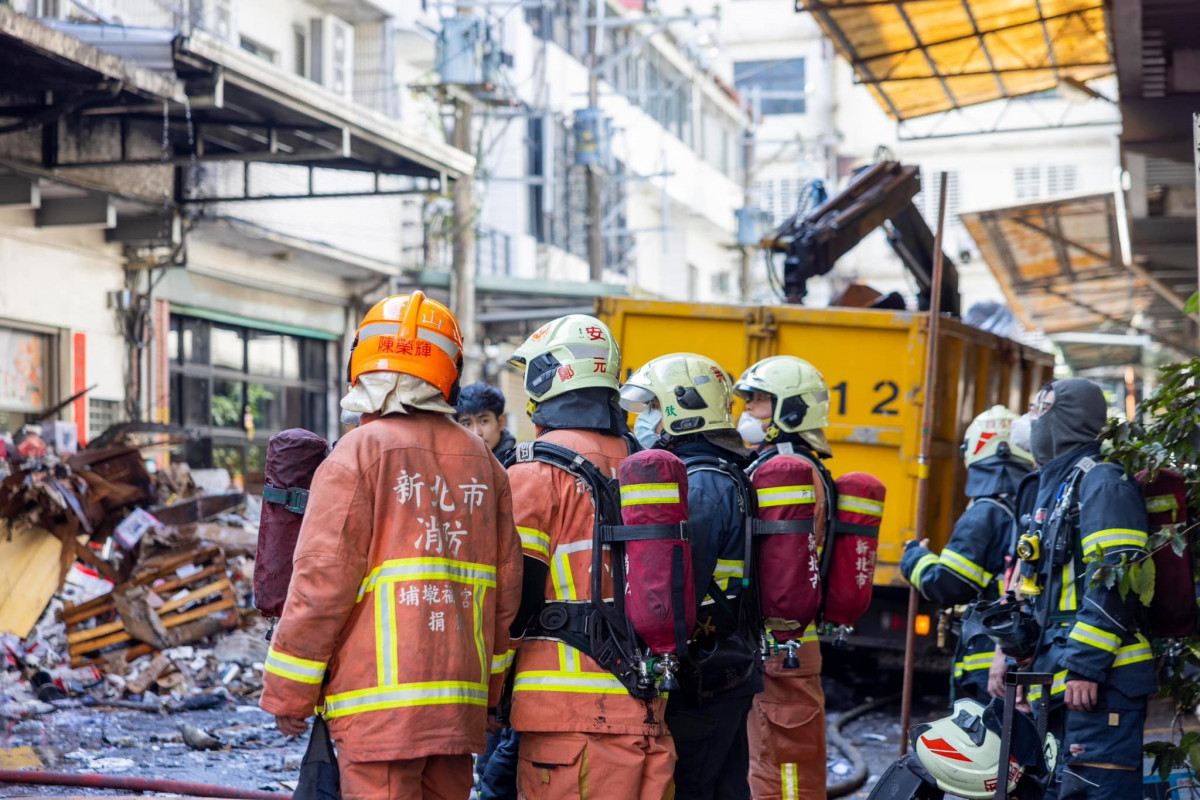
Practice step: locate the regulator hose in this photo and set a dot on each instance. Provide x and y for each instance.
(858, 774)
(94, 781)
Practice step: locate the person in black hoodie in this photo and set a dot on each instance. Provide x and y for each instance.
(480, 409)
(683, 402)
(1077, 512)
(973, 563)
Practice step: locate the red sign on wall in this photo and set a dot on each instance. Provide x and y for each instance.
(79, 379)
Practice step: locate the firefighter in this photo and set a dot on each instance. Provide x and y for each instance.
(787, 407)
(708, 718)
(480, 410)
(1077, 513)
(407, 573)
(973, 563)
(582, 733)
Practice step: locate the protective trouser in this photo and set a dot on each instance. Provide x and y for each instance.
(1100, 751)
(498, 776)
(431, 778)
(595, 766)
(711, 746)
(786, 731)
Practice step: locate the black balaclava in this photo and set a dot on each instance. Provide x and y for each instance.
(1075, 419)
(594, 408)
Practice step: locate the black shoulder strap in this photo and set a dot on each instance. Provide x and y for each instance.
(728, 468)
(1000, 502)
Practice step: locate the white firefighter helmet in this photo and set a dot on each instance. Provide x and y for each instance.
(570, 353)
(990, 435)
(694, 394)
(801, 397)
(963, 755)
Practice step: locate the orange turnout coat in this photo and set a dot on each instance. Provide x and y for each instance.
(407, 578)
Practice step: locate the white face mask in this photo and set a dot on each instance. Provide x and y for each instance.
(751, 429)
(1020, 433)
(645, 427)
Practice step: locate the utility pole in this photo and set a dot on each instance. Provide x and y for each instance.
(462, 262)
(746, 278)
(595, 187)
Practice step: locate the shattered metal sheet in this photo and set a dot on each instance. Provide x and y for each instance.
(1061, 267)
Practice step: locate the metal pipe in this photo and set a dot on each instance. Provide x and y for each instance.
(928, 393)
(94, 781)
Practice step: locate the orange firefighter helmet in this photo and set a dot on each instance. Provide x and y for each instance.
(412, 334)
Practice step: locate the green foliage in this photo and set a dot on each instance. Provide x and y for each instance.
(1192, 306)
(1164, 433)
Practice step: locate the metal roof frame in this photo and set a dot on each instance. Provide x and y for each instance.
(1063, 266)
(862, 30)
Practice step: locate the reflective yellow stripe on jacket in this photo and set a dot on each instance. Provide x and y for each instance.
(925, 562)
(406, 695)
(1096, 637)
(1057, 687)
(965, 567)
(294, 669)
(534, 540)
(572, 682)
(1113, 537)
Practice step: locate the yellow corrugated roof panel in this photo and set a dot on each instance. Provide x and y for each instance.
(920, 57)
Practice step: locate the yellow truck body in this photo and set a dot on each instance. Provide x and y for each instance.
(874, 363)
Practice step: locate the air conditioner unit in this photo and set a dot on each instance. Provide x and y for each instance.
(220, 18)
(331, 53)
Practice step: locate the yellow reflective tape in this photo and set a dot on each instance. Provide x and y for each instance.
(1095, 637)
(966, 568)
(503, 661)
(1057, 687)
(286, 672)
(926, 561)
(1114, 537)
(638, 494)
(480, 640)
(415, 569)
(803, 494)
(304, 665)
(1068, 599)
(860, 505)
(810, 634)
(1134, 653)
(570, 682)
(406, 695)
(787, 777)
(1162, 503)
(535, 540)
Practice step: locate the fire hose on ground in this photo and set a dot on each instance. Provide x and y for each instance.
(94, 781)
(858, 773)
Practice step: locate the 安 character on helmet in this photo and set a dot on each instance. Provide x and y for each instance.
(587, 671)
(972, 565)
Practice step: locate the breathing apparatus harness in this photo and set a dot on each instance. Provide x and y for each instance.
(596, 627)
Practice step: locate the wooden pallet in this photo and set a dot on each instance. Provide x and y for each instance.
(95, 630)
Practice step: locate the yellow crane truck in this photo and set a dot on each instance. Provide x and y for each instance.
(874, 363)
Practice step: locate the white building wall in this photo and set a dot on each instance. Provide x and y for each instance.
(59, 278)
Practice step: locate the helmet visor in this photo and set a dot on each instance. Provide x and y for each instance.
(636, 399)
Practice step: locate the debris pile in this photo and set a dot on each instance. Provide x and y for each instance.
(123, 585)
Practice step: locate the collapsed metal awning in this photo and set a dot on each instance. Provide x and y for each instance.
(1064, 265)
(922, 57)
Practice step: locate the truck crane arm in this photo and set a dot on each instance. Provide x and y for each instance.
(878, 196)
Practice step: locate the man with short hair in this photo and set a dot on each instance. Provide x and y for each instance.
(481, 411)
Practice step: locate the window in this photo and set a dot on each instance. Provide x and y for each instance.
(102, 415)
(926, 200)
(720, 283)
(258, 49)
(300, 54)
(233, 387)
(1040, 181)
(778, 84)
(27, 368)
(1060, 179)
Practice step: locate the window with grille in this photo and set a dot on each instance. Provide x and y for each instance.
(779, 84)
(233, 387)
(1027, 182)
(102, 415)
(1060, 179)
(926, 200)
